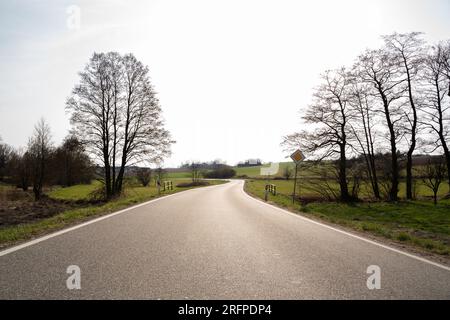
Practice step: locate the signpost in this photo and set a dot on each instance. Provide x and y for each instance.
(297, 157)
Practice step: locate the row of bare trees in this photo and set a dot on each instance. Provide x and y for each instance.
(41, 163)
(116, 114)
(394, 100)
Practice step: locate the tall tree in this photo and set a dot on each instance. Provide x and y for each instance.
(363, 125)
(330, 114)
(446, 59)
(71, 164)
(5, 156)
(39, 150)
(19, 167)
(116, 114)
(381, 70)
(437, 110)
(408, 50)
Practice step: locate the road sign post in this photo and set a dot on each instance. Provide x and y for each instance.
(295, 183)
(297, 157)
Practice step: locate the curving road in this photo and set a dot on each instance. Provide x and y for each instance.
(213, 243)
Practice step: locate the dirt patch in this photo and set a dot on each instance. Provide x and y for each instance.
(18, 207)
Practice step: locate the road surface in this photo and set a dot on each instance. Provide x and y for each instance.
(213, 243)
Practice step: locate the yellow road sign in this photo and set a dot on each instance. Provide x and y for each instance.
(297, 156)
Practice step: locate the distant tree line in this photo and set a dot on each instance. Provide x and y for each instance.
(250, 163)
(369, 120)
(216, 169)
(42, 164)
(205, 165)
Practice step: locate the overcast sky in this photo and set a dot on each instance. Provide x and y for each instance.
(232, 76)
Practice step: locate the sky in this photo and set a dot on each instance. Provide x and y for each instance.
(232, 76)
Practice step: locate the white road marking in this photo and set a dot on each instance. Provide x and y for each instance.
(350, 234)
(61, 232)
(58, 233)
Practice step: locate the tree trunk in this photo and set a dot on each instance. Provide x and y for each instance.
(447, 161)
(376, 188)
(441, 133)
(107, 175)
(393, 192)
(409, 194)
(343, 175)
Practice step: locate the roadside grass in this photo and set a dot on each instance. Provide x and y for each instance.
(132, 195)
(74, 193)
(418, 223)
(305, 190)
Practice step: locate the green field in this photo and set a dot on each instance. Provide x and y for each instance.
(178, 175)
(417, 223)
(133, 194)
(254, 172)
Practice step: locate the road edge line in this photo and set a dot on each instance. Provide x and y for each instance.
(104, 217)
(410, 255)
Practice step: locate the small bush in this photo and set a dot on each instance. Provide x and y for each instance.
(403, 236)
(144, 175)
(223, 172)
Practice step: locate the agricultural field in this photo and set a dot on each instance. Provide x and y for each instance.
(254, 172)
(417, 223)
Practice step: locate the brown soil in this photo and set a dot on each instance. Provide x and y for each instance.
(17, 207)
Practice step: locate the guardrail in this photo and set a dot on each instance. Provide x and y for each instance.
(271, 188)
(167, 185)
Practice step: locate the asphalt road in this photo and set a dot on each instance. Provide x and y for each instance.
(213, 243)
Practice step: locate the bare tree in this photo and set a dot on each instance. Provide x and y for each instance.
(6, 152)
(446, 60)
(160, 174)
(408, 50)
(195, 168)
(70, 163)
(287, 173)
(433, 173)
(330, 113)
(19, 168)
(437, 108)
(116, 114)
(363, 125)
(381, 70)
(144, 176)
(39, 151)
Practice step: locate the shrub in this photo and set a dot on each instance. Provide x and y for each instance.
(224, 172)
